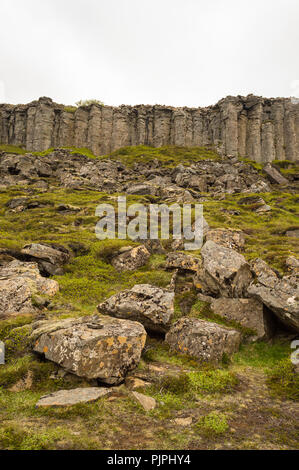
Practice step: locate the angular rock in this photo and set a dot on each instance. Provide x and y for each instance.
(274, 175)
(293, 233)
(149, 305)
(134, 382)
(182, 262)
(148, 403)
(249, 313)
(281, 296)
(234, 239)
(224, 272)
(18, 283)
(203, 340)
(92, 347)
(50, 258)
(73, 397)
(131, 259)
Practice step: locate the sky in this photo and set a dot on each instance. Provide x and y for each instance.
(172, 52)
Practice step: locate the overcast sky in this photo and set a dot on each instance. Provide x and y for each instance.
(174, 52)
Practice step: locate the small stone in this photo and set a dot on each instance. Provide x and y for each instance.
(72, 397)
(134, 382)
(148, 403)
(183, 421)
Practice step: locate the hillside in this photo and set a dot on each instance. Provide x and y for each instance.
(203, 336)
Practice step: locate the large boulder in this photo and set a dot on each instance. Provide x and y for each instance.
(203, 340)
(131, 259)
(149, 305)
(19, 282)
(50, 258)
(274, 175)
(91, 347)
(248, 313)
(281, 296)
(224, 272)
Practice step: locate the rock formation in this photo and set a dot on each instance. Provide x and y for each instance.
(259, 128)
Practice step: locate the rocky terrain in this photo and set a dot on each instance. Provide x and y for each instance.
(121, 344)
(256, 127)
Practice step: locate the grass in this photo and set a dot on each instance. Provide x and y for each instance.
(283, 381)
(213, 424)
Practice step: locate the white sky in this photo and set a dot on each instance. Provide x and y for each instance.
(174, 52)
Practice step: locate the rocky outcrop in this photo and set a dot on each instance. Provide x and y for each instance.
(50, 258)
(131, 258)
(281, 296)
(204, 340)
(149, 305)
(91, 347)
(19, 282)
(259, 128)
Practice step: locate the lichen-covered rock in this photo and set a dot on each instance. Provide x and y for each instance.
(91, 347)
(50, 258)
(73, 397)
(203, 340)
(281, 296)
(248, 313)
(149, 305)
(132, 259)
(182, 262)
(18, 283)
(224, 272)
(234, 239)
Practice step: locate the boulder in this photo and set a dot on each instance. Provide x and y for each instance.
(132, 259)
(224, 272)
(274, 175)
(50, 258)
(203, 340)
(149, 305)
(234, 239)
(18, 283)
(281, 296)
(248, 313)
(92, 347)
(73, 397)
(182, 262)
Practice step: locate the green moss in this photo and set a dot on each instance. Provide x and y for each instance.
(12, 149)
(213, 381)
(212, 424)
(283, 381)
(262, 355)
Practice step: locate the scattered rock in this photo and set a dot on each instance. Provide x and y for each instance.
(224, 272)
(73, 397)
(148, 403)
(50, 258)
(131, 259)
(203, 340)
(281, 296)
(18, 283)
(293, 233)
(92, 347)
(149, 305)
(249, 313)
(274, 175)
(182, 262)
(134, 382)
(234, 239)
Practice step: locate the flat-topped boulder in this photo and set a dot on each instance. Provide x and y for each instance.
(93, 347)
(50, 258)
(152, 306)
(73, 397)
(204, 340)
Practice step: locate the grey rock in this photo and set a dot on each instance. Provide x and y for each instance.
(73, 397)
(131, 259)
(93, 347)
(203, 340)
(149, 305)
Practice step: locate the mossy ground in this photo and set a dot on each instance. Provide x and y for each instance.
(248, 402)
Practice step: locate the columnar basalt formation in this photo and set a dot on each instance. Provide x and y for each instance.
(258, 128)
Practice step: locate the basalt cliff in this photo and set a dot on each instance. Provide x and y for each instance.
(259, 128)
